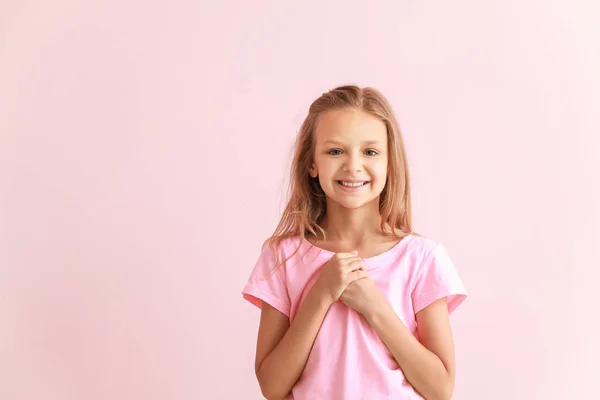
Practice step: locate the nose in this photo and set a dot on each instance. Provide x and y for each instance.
(353, 162)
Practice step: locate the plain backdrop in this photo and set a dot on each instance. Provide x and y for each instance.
(144, 148)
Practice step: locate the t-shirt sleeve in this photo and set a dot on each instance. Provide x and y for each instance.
(438, 278)
(268, 285)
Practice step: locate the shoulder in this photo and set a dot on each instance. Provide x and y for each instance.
(421, 246)
(282, 246)
(426, 253)
(280, 251)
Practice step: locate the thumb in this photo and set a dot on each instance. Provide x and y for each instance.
(355, 252)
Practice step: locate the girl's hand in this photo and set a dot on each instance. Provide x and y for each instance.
(363, 296)
(338, 273)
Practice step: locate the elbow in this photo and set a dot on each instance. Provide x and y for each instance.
(448, 389)
(439, 396)
(269, 390)
(443, 392)
(439, 390)
(446, 395)
(272, 393)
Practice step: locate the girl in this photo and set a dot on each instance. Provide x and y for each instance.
(354, 304)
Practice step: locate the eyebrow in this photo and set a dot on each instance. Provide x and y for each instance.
(368, 142)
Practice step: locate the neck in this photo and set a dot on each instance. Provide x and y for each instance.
(352, 226)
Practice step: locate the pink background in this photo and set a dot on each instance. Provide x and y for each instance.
(144, 148)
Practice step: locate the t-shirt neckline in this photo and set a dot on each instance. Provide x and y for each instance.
(370, 261)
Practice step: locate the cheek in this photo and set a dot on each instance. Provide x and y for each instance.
(327, 170)
(380, 170)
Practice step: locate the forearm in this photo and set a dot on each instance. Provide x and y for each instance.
(281, 369)
(421, 367)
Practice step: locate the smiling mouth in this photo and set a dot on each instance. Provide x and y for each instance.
(352, 184)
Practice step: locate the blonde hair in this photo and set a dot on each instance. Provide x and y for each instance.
(306, 206)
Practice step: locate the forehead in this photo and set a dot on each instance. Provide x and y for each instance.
(350, 125)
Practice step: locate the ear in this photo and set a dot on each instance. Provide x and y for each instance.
(313, 171)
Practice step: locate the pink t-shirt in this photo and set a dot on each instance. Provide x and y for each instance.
(348, 359)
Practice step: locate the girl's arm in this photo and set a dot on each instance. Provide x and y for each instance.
(428, 365)
(282, 350)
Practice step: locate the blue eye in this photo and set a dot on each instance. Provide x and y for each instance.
(369, 152)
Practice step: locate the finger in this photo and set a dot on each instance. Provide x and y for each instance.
(341, 256)
(356, 275)
(343, 261)
(354, 265)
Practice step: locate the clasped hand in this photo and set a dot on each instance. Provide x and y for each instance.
(345, 278)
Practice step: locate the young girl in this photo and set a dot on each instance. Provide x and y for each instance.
(354, 304)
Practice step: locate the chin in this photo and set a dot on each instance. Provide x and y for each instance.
(355, 204)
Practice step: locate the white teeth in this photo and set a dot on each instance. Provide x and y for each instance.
(352, 184)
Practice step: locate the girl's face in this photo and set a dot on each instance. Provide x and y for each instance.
(351, 156)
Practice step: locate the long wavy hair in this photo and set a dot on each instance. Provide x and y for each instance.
(306, 204)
